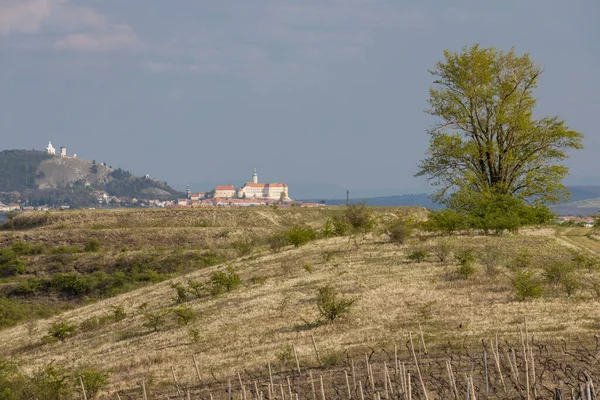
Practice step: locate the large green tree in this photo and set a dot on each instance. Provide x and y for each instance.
(487, 140)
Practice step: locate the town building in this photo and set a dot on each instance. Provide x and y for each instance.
(50, 149)
(225, 191)
(269, 191)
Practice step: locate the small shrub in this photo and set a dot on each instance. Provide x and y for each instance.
(244, 245)
(307, 267)
(92, 245)
(570, 284)
(466, 259)
(298, 236)
(61, 330)
(445, 221)
(523, 259)
(442, 250)
(184, 315)
(224, 281)
(90, 324)
(118, 313)
(50, 382)
(332, 358)
(197, 288)
(71, 284)
(526, 285)
(277, 241)
(558, 271)
(154, 320)
(360, 218)
(339, 226)
(63, 250)
(418, 255)
(399, 230)
(465, 270)
(258, 280)
(330, 306)
(180, 293)
(490, 257)
(94, 380)
(194, 334)
(285, 355)
(23, 248)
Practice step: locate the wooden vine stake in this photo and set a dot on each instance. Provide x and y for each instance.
(296, 357)
(82, 388)
(197, 369)
(175, 380)
(348, 385)
(422, 340)
(360, 386)
(322, 388)
(316, 350)
(312, 385)
(412, 347)
(144, 390)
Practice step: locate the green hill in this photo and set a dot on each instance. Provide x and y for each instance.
(36, 178)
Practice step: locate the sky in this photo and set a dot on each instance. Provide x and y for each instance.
(306, 91)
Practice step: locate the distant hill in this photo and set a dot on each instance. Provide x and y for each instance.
(421, 200)
(38, 178)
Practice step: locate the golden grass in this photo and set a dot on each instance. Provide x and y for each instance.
(245, 329)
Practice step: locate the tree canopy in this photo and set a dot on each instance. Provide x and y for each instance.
(487, 139)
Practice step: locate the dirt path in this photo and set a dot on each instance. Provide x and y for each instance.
(578, 238)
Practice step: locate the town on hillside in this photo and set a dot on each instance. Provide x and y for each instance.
(252, 193)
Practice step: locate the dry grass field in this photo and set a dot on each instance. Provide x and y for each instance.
(273, 312)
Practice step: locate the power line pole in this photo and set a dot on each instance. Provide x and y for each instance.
(347, 197)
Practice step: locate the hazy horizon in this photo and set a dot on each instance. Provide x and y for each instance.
(308, 92)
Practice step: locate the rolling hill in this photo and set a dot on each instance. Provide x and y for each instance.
(143, 305)
(36, 178)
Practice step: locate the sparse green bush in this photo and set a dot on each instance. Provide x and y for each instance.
(466, 259)
(330, 306)
(360, 218)
(12, 381)
(184, 314)
(258, 280)
(92, 246)
(10, 263)
(211, 258)
(298, 236)
(49, 382)
(93, 379)
(336, 226)
(61, 330)
(244, 245)
(277, 241)
(197, 288)
(71, 284)
(417, 255)
(224, 281)
(445, 221)
(570, 284)
(490, 257)
(118, 313)
(24, 248)
(557, 271)
(399, 230)
(442, 249)
(523, 259)
(180, 293)
(526, 285)
(62, 250)
(332, 358)
(154, 320)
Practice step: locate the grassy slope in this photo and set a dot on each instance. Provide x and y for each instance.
(249, 327)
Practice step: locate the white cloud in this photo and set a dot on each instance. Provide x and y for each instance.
(32, 16)
(85, 28)
(120, 37)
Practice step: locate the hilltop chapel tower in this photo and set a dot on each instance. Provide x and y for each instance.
(254, 177)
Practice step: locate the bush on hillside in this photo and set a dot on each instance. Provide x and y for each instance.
(227, 281)
(417, 255)
(298, 236)
(92, 246)
(399, 230)
(61, 330)
(330, 306)
(277, 241)
(526, 285)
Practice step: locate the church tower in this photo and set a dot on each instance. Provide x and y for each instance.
(254, 177)
(50, 149)
(188, 192)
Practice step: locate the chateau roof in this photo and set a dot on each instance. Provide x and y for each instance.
(262, 185)
(225, 187)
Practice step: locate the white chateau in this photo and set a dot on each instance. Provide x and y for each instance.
(254, 190)
(52, 151)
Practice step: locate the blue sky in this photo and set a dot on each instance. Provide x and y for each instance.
(306, 91)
